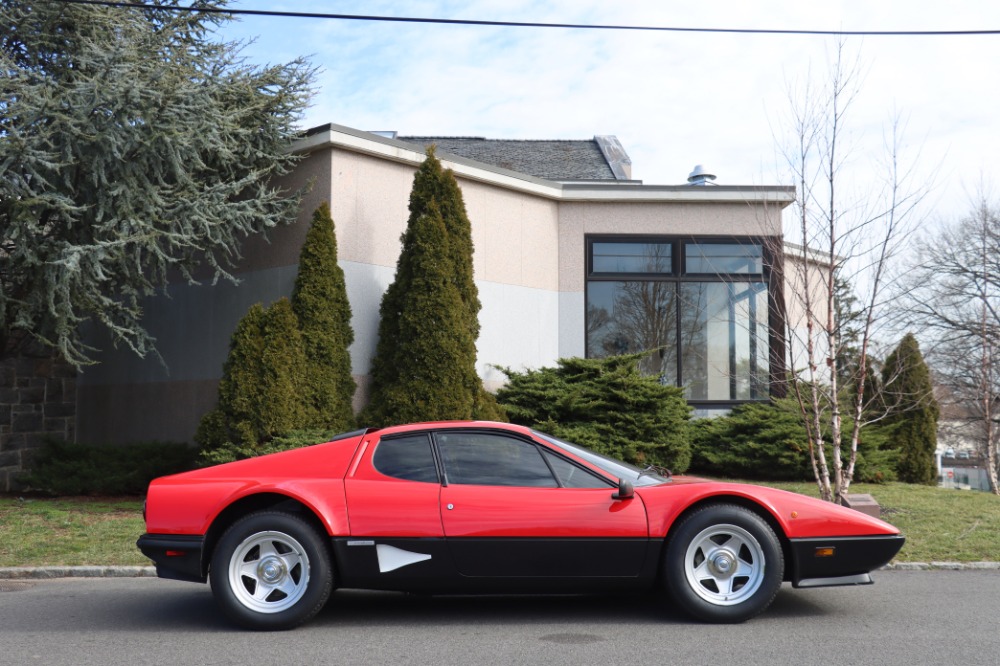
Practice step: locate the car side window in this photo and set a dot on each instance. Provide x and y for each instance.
(484, 459)
(573, 476)
(409, 458)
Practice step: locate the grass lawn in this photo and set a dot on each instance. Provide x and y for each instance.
(70, 531)
(940, 525)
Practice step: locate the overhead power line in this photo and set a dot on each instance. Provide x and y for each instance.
(529, 24)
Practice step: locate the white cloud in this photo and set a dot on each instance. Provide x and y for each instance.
(673, 99)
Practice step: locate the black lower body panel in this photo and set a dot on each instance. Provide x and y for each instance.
(176, 556)
(841, 560)
(504, 565)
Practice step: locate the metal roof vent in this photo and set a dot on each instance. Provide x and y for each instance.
(700, 176)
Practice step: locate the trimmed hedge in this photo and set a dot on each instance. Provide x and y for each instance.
(62, 468)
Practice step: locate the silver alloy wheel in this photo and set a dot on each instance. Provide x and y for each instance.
(724, 565)
(269, 572)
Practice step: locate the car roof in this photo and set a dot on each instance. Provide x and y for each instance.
(451, 425)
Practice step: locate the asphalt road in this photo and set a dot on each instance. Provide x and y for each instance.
(907, 618)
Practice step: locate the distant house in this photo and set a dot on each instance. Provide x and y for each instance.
(572, 258)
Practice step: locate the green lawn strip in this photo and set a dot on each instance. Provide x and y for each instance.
(940, 526)
(70, 532)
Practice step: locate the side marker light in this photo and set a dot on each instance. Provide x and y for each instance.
(827, 551)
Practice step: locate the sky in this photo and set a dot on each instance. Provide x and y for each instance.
(674, 100)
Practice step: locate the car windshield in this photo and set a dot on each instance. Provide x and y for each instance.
(616, 468)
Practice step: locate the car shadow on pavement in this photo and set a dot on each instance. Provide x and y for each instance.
(168, 606)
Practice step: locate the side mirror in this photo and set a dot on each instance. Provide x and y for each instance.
(625, 490)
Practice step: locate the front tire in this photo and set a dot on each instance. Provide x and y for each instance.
(723, 564)
(271, 571)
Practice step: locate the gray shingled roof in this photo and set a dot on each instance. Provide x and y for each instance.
(549, 159)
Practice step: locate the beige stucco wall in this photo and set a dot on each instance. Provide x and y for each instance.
(803, 278)
(529, 266)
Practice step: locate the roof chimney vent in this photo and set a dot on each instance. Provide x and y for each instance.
(700, 177)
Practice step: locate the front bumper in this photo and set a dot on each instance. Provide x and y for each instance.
(841, 560)
(176, 556)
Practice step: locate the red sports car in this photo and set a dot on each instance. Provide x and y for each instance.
(464, 507)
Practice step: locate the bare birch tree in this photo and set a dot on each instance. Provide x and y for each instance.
(840, 236)
(954, 295)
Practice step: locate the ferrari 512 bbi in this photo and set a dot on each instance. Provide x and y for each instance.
(474, 507)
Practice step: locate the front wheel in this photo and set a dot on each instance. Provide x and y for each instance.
(723, 564)
(271, 570)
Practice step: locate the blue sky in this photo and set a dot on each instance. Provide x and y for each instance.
(674, 100)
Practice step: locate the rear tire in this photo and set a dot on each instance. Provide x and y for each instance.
(271, 571)
(723, 564)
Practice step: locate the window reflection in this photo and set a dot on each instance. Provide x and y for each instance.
(710, 336)
(724, 340)
(633, 316)
(722, 258)
(631, 258)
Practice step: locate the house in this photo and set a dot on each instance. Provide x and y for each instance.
(572, 258)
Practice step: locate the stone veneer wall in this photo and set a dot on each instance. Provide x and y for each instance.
(37, 400)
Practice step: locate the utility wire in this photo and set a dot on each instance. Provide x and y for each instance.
(527, 24)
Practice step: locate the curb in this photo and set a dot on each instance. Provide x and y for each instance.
(41, 573)
(941, 566)
(21, 573)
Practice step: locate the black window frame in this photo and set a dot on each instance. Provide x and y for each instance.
(410, 435)
(541, 449)
(771, 274)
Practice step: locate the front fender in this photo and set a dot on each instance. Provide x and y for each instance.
(798, 516)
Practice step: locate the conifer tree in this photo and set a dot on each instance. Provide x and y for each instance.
(912, 411)
(425, 362)
(324, 315)
(260, 393)
(132, 147)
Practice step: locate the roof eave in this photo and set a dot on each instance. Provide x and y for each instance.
(354, 140)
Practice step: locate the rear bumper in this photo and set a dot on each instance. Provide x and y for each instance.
(841, 560)
(176, 556)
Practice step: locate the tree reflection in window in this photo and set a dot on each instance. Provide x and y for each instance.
(711, 335)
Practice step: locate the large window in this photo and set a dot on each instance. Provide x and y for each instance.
(699, 305)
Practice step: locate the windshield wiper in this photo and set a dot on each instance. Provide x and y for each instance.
(656, 469)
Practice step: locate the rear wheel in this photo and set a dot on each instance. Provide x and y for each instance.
(724, 564)
(271, 570)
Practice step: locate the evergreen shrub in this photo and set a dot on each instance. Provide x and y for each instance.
(61, 468)
(260, 393)
(424, 367)
(912, 412)
(324, 315)
(294, 439)
(607, 405)
(767, 441)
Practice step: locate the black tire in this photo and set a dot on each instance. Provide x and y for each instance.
(271, 571)
(723, 563)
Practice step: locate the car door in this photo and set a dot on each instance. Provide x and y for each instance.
(394, 490)
(509, 510)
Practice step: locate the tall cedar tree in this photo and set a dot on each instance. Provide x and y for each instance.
(260, 393)
(425, 362)
(913, 411)
(606, 404)
(324, 313)
(131, 146)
